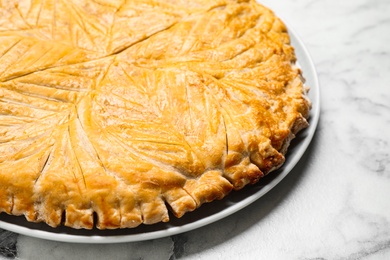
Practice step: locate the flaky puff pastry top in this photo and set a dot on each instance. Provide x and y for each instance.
(121, 108)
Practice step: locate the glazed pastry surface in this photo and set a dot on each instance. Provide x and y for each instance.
(124, 109)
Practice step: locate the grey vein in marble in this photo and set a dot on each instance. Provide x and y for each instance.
(8, 242)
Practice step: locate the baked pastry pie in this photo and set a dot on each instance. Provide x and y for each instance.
(123, 109)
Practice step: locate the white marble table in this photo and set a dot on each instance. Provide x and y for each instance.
(336, 203)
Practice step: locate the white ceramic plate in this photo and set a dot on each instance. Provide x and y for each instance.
(207, 213)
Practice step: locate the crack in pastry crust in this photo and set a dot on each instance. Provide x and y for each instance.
(111, 112)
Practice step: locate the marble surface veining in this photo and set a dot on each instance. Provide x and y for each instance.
(336, 203)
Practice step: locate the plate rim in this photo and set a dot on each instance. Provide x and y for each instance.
(302, 53)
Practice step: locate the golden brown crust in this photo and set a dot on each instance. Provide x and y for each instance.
(120, 108)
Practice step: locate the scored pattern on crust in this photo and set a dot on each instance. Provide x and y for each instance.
(124, 109)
